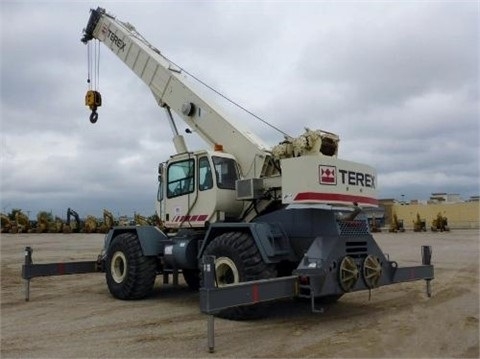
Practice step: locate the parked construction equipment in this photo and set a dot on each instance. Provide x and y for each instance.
(141, 220)
(108, 222)
(91, 224)
(420, 225)
(396, 225)
(45, 222)
(6, 224)
(74, 227)
(440, 224)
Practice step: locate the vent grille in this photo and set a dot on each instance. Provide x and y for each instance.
(356, 249)
(353, 228)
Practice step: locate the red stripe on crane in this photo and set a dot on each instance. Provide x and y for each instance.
(61, 268)
(255, 293)
(334, 197)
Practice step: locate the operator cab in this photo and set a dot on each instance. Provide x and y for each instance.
(196, 188)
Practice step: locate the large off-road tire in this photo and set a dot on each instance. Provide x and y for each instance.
(238, 260)
(192, 278)
(130, 274)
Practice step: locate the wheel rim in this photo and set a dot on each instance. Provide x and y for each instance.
(118, 267)
(372, 271)
(226, 272)
(348, 273)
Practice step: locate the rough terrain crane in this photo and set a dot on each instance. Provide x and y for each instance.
(245, 222)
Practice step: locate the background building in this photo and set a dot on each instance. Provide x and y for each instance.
(459, 213)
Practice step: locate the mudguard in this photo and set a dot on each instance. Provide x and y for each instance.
(152, 239)
(271, 240)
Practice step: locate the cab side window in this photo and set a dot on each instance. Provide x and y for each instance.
(205, 178)
(181, 179)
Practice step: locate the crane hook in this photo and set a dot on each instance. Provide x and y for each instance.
(94, 116)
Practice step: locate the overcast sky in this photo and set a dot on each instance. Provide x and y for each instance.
(398, 81)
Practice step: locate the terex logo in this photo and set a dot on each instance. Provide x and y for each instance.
(327, 175)
(357, 178)
(330, 175)
(116, 40)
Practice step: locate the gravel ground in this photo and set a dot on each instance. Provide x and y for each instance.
(75, 316)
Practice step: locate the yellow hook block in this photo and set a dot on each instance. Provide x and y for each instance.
(93, 99)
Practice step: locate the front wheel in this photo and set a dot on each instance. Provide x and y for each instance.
(237, 259)
(129, 274)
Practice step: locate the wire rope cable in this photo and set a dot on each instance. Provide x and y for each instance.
(97, 59)
(89, 66)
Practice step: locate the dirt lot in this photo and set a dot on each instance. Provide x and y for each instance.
(74, 316)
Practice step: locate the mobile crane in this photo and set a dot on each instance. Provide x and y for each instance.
(266, 221)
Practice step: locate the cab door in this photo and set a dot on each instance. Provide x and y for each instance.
(180, 191)
(160, 205)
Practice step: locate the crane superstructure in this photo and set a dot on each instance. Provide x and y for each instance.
(265, 175)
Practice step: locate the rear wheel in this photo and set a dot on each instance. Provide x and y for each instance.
(237, 259)
(192, 278)
(129, 274)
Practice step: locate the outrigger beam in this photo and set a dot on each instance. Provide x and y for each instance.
(30, 270)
